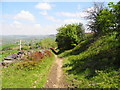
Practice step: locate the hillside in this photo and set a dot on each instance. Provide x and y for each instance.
(65, 45)
(8, 39)
(26, 68)
(94, 63)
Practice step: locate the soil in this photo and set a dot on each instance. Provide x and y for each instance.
(56, 77)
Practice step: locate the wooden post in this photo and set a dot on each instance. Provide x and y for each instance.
(20, 45)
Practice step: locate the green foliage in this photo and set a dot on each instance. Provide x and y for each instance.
(47, 43)
(28, 65)
(82, 62)
(101, 80)
(26, 73)
(92, 16)
(69, 36)
(41, 44)
(106, 20)
(94, 62)
(88, 35)
(33, 75)
(82, 46)
(115, 9)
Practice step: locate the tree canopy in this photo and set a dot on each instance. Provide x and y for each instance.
(69, 36)
(105, 20)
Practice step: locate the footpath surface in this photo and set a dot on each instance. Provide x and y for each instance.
(55, 78)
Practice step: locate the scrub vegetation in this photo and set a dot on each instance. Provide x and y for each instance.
(94, 62)
(88, 60)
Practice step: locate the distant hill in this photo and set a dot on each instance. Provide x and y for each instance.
(29, 38)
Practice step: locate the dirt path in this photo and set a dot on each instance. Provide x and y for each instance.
(55, 78)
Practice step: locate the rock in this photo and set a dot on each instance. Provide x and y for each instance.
(11, 57)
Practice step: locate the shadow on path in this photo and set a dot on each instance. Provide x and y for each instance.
(56, 53)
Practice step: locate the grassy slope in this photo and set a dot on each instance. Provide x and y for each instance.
(7, 50)
(94, 63)
(13, 78)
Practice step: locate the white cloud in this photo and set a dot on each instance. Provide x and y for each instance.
(16, 24)
(72, 21)
(69, 14)
(52, 19)
(43, 6)
(38, 26)
(43, 13)
(24, 15)
(18, 28)
(50, 29)
(69, 21)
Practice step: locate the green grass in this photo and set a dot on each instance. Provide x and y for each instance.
(93, 63)
(8, 46)
(16, 78)
(7, 50)
(25, 77)
(6, 53)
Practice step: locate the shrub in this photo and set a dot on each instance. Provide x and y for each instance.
(47, 53)
(31, 60)
(38, 56)
(27, 65)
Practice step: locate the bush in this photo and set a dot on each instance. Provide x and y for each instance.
(47, 53)
(33, 59)
(27, 65)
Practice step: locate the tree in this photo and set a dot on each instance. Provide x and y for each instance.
(115, 9)
(104, 20)
(69, 36)
(108, 20)
(92, 16)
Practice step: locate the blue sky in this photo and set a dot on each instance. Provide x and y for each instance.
(41, 18)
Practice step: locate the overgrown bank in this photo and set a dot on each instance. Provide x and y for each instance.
(94, 63)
